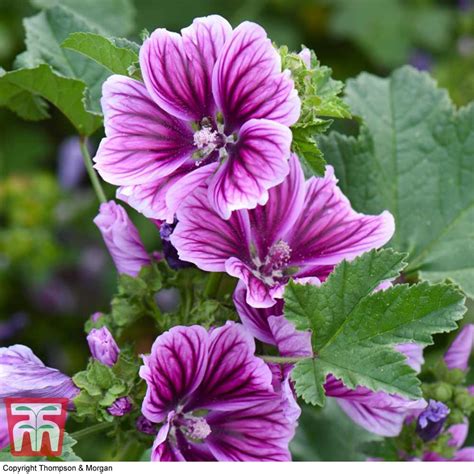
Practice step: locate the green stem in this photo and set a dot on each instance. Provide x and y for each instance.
(212, 285)
(77, 435)
(90, 170)
(282, 360)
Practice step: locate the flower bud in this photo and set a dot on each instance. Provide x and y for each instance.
(103, 346)
(146, 426)
(122, 239)
(120, 407)
(442, 392)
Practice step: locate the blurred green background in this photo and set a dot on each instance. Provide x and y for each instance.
(54, 269)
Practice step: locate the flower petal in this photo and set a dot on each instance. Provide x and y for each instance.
(22, 374)
(278, 215)
(150, 198)
(413, 353)
(142, 141)
(4, 441)
(177, 70)
(329, 230)
(182, 188)
(195, 452)
(260, 432)
(458, 434)
(457, 356)
(174, 369)
(259, 295)
(234, 377)
(162, 449)
(464, 455)
(248, 82)
(377, 412)
(255, 320)
(256, 163)
(203, 238)
(290, 342)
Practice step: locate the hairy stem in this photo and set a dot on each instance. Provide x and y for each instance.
(77, 435)
(90, 170)
(212, 285)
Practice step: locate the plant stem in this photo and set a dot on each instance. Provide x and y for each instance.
(77, 435)
(90, 170)
(282, 360)
(212, 285)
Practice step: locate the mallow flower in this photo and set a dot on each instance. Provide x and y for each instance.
(377, 412)
(214, 398)
(214, 104)
(303, 231)
(121, 238)
(22, 374)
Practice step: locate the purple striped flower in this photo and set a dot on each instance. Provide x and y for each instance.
(22, 374)
(303, 231)
(214, 105)
(121, 238)
(214, 398)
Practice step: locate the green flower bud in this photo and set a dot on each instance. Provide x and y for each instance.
(442, 392)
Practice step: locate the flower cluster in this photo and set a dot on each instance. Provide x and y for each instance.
(203, 148)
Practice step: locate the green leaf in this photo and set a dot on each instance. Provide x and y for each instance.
(354, 329)
(27, 105)
(65, 93)
(114, 17)
(105, 51)
(388, 30)
(45, 32)
(415, 157)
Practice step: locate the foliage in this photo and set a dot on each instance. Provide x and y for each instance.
(414, 156)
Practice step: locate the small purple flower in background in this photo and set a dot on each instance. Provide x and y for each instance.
(214, 397)
(12, 325)
(431, 420)
(169, 251)
(421, 60)
(122, 239)
(120, 407)
(22, 374)
(103, 346)
(214, 105)
(304, 230)
(71, 167)
(144, 425)
(96, 316)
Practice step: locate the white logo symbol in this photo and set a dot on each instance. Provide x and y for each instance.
(36, 425)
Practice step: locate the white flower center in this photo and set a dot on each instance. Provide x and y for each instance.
(206, 139)
(196, 427)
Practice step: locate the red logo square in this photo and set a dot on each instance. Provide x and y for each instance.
(36, 425)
